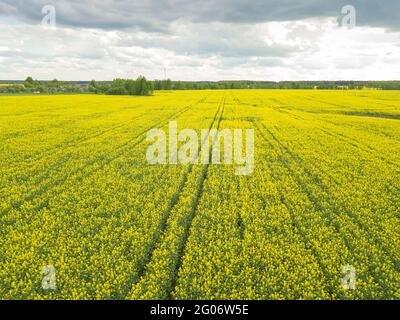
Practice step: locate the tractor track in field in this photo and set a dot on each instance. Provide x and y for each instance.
(51, 109)
(239, 219)
(344, 106)
(167, 214)
(349, 141)
(345, 139)
(72, 143)
(300, 162)
(336, 135)
(61, 123)
(295, 224)
(95, 134)
(342, 137)
(92, 135)
(195, 203)
(321, 208)
(120, 151)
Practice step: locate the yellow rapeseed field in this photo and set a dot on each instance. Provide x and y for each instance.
(77, 193)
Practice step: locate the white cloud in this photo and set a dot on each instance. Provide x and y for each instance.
(314, 48)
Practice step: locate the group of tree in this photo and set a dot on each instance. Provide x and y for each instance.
(142, 87)
(47, 87)
(139, 87)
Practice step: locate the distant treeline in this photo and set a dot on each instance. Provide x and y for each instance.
(143, 87)
(322, 85)
(139, 87)
(33, 86)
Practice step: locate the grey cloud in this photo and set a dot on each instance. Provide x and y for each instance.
(7, 9)
(157, 15)
(205, 39)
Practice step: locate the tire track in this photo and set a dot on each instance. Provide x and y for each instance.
(239, 220)
(192, 214)
(94, 134)
(70, 144)
(327, 279)
(344, 138)
(322, 208)
(120, 151)
(295, 224)
(62, 122)
(166, 216)
(340, 136)
(301, 163)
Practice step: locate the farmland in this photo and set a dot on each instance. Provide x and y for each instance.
(78, 194)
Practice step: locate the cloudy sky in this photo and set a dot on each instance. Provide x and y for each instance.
(200, 39)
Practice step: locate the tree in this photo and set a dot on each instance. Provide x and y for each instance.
(93, 86)
(143, 87)
(29, 82)
(117, 91)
